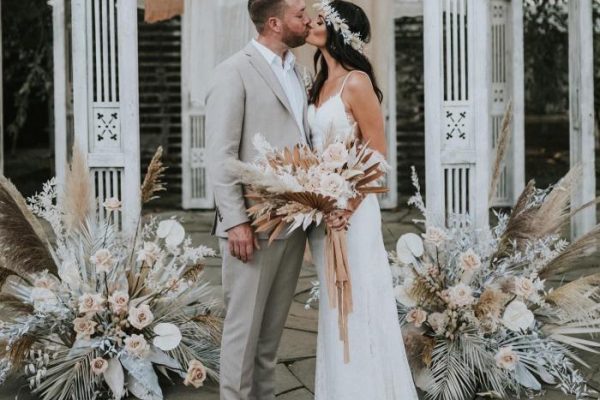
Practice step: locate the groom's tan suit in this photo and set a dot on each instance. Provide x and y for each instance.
(247, 98)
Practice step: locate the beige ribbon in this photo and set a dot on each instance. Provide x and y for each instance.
(339, 288)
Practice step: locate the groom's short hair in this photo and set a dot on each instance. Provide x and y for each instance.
(261, 10)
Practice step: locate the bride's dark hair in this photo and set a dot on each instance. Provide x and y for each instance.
(346, 55)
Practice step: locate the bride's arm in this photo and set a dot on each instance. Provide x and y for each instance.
(362, 102)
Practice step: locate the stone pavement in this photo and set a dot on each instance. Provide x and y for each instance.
(295, 370)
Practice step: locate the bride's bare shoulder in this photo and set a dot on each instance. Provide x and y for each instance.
(358, 83)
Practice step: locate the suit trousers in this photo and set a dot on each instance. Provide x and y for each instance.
(258, 296)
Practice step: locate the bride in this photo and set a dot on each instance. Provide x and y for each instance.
(346, 94)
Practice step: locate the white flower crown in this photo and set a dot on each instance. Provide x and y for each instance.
(340, 25)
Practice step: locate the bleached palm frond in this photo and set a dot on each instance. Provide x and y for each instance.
(453, 379)
(69, 376)
(76, 200)
(24, 246)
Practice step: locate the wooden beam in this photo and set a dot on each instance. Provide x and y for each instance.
(581, 108)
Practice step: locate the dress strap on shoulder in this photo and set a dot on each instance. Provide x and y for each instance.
(348, 76)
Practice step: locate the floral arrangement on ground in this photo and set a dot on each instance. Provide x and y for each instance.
(498, 312)
(99, 314)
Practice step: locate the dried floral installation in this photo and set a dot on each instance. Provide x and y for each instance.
(96, 314)
(487, 311)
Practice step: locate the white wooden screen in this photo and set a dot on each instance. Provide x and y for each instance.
(206, 41)
(106, 100)
(503, 73)
(581, 104)
(456, 110)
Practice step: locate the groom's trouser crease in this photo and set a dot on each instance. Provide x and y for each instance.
(258, 295)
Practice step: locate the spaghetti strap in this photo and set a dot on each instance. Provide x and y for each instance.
(346, 80)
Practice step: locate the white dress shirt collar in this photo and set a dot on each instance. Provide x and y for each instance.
(272, 58)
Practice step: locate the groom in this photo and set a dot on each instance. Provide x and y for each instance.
(258, 90)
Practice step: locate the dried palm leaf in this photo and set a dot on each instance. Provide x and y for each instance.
(19, 350)
(520, 225)
(152, 181)
(576, 256)
(11, 303)
(555, 209)
(76, 200)
(577, 300)
(501, 148)
(24, 246)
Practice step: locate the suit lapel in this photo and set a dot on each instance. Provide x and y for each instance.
(264, 69)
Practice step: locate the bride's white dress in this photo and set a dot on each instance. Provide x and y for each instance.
(378, 368)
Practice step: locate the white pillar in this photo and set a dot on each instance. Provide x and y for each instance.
(457, 124)
(518, 99)
(581, 107)
(106, 100)
(1, 102)
(130, 106)
(60, 89)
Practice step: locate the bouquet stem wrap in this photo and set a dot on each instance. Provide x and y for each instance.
(339, 286)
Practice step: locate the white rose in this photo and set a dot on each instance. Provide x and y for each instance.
(112, 204)
(506, 358)
(196, 374)
(470, 261)
(333, 185)
(524, 287)
(335, 155)
(416, 316)
(84, 327)
(149, 253)
(91, 303)
(438, 321)
(460, 295)
(435, 236)
(517, 316)
(103, 260)
(137, 346)
(119, 302)
(140, 317)
(99, 365)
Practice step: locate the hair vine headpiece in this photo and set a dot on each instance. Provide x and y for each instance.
(340, 25)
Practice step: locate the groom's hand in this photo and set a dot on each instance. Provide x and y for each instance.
(242, 241)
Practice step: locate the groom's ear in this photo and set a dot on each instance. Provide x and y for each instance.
(274, 24)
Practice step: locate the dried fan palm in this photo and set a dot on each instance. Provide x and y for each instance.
(24, 247)
(152, 181)
(76, 200)
(576, 256)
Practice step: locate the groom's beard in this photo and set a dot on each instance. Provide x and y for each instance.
(293, 40)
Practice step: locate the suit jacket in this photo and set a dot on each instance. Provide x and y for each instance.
(245, 98)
